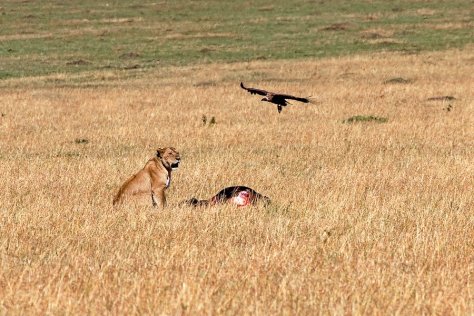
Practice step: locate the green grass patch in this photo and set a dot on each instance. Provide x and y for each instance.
(48, 37)
(397, 80)
(365, 118)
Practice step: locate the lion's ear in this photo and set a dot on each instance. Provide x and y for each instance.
(159, 152)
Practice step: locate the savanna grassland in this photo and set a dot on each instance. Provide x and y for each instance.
(372, 184)
(40, 38)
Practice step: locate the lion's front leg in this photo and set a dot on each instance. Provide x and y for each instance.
(158, 199)
(153, 200)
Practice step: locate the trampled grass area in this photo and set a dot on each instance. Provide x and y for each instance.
(368, 217)
(40, 38)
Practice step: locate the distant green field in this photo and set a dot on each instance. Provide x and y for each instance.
(45, 37)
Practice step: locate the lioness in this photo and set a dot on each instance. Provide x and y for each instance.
(153, 179)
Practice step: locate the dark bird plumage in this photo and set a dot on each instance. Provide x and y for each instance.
(277, 98)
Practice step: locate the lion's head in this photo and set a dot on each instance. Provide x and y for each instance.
(169, 157)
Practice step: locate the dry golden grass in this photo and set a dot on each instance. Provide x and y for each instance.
(368, 218)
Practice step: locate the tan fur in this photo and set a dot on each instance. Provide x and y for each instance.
(151, 181)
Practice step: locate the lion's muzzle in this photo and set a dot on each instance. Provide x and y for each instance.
(175, 164)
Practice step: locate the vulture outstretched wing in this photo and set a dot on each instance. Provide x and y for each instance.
(253, 90)
(291, 97)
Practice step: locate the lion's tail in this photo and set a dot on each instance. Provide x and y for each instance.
(118, 198)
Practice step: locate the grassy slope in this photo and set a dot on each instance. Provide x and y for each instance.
(45, 37)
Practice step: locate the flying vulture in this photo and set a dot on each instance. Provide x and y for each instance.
(276, 98)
